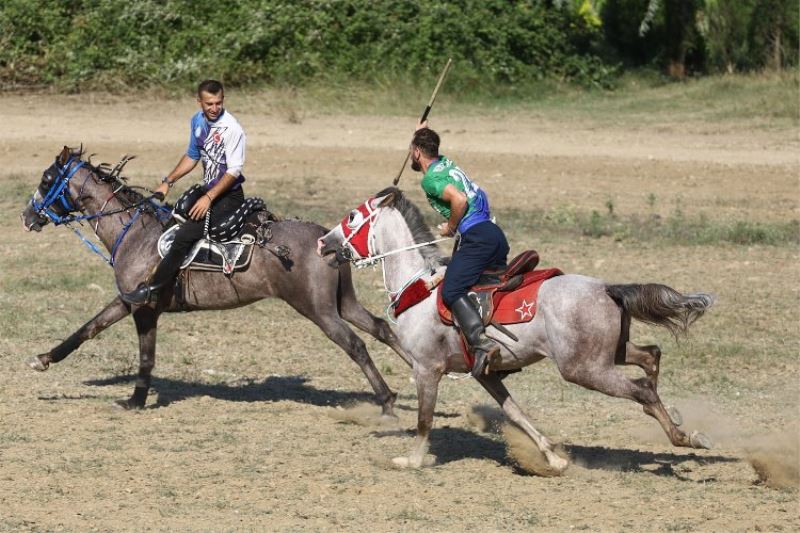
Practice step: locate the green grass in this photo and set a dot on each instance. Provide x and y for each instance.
(676, 228)
(565, 220)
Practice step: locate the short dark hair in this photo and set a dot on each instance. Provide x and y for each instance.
(427, 141)
(210, 87)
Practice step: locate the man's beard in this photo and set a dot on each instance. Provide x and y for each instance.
(415, 166)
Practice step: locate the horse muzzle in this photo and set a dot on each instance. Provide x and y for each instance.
(32, 220)
(340, 254)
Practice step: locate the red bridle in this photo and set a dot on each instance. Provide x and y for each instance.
(356, 229)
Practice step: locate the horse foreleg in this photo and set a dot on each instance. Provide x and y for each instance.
(494, 386)
(111, 314)
(427, 380)
(146, 319)
(378, 328)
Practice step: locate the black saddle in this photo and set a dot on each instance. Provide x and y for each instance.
(227, 245)
(227, 229)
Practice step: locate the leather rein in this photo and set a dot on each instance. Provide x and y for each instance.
(59, 195)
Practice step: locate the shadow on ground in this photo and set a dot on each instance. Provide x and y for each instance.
(668, 464)
(271, 389)
(451, 444)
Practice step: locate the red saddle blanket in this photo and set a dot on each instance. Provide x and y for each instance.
(508, 307)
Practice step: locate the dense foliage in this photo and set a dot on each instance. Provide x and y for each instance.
(706, 36)
(75, 43)
(115, 44)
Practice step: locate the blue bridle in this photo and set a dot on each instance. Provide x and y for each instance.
(59, 195)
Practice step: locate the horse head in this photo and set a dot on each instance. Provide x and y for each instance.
(350, 239)
(58, 195)
(385, 226)
(54, 198)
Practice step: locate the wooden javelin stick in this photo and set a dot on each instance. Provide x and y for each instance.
(425, 114)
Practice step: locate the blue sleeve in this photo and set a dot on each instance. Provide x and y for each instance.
(193, 151)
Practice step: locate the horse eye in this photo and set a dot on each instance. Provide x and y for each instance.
(355, 219)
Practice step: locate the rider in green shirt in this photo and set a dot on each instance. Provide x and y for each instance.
(480, 243)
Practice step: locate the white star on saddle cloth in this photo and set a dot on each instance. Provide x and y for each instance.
(525, 310)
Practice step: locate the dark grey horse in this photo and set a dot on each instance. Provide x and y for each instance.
(72, 188)
(581, 323)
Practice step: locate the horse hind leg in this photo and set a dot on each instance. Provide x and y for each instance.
(493, 384)
(648, 358)
(614, 383)
(355, 313)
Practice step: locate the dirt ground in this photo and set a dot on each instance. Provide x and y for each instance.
(259, 423)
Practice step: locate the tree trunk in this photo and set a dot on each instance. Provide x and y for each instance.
(676, 69)
(777, 64)
(679, 22)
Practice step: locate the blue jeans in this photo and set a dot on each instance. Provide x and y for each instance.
(483, 246)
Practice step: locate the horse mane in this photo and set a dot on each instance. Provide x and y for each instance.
(416, 224)
(112, 175)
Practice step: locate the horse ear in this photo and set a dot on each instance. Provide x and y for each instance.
(63, 157)
(384, 201)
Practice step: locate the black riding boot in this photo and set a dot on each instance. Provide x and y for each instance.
(164, 274)
(469, 321)
(143, 294)
(189, 233)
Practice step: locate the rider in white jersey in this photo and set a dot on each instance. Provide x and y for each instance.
(219, 145)
(218, 141)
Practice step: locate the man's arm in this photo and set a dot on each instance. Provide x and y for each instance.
(458, 207)
(184, 166)
(203, 203)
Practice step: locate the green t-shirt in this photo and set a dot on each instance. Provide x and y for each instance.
(443, 173)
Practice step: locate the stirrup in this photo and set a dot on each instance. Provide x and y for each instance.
(484, 359)
(141, 295)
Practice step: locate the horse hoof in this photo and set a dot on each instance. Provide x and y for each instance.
(402, 462)
(37, 364)
(674, 414)
(388, 420)
(700, 440)
(127, 405)
(559, 464)
(413, 462)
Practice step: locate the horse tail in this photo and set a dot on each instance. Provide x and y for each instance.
(660, 305)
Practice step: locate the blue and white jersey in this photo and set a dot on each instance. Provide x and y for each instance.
(220, 145)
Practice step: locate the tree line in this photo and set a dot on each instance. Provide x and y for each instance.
(117, 44)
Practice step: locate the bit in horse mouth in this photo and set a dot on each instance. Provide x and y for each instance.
(33, 225)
